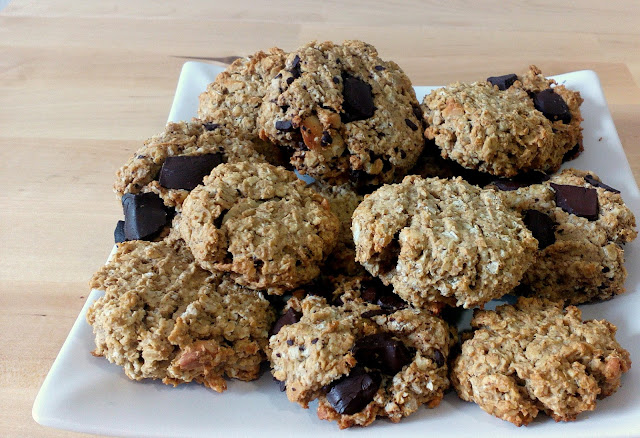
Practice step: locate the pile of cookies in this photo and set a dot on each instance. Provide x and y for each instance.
(349, 286)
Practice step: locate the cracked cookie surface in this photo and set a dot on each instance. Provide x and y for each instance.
(538, 356)
(501, 131)
(346, 113)
(181, 139)
(582, 259)
(260, 224)
(320, 351)
(163, 317)
(439, 240)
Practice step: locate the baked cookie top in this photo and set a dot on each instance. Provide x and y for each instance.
(191, 150)
(504, 131)
(580, 224)
(437, 240)
(362, 357)
(538, 356)
(234, 98)
(343, 200)
(346, 113)
(259, 223)
(163, 317)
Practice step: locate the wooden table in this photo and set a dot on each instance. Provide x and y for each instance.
(83, 83)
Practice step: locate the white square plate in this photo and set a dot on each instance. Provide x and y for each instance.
(88, 394)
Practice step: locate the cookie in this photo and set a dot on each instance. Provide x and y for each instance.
(163, 317)
(173, 162)
(362, 360)
(504, 132)
(439, 240)
(581, 225)
(343, 200)
(538, 356)
(236, 95)
(260, 224)
(345, 113)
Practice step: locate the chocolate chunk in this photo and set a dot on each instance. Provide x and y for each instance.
(503, 82)
(379, 68)
(353, 393)
(581, 201)
(438, 357)
(290, 80)
(284, 125)
(118, 233)
(417, 111)
(336, 80)
(542, 227)
(552, 106)
(411, 125)
(291, 316)
(295, 67)
(572, 153)
(144, 214)
(320, 287)
(358, 99)
(381, 351)
(187, 171)
(326, 139)
(522, 180)
(211, 126)
(281, 384)
(374, 312)
(375, 292)
(594, 182)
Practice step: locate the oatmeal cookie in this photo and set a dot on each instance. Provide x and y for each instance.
(503, 127)
(163, 317)
(436, 239)
(173, 162)
(345, 113)
(259, 223)
(235, 97)
(581, 225)
(343, 200)
(362, 360)
(538, 356)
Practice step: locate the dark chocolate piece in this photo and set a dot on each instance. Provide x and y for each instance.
(353, 393)
(295, 68)
(291, 316)
(503, 82)
(381, 351)
(187, 171)
(411, 125)
(541, 226)
(284, 125)
(581, 201)
(144, 215)
(118, 233)
(552, 105)
(326, 139)
(523, 180)
(572, 153)
(358, 99)
(374, 312)
(594, 182)
(375, 292)
(211, 126)
(438, 357)
(379, 68)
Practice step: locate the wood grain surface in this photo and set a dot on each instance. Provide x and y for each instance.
(83, 83)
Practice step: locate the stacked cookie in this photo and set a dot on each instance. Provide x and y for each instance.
(225, 258)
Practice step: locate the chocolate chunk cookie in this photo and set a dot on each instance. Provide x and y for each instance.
(345, 113)
(173, 162)
(538, 356)
(343, 200)
(531, 125)
(580, 224)
(259, 223)
(163, 317)
(436, 240)
(360, 359)
(236, 95)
